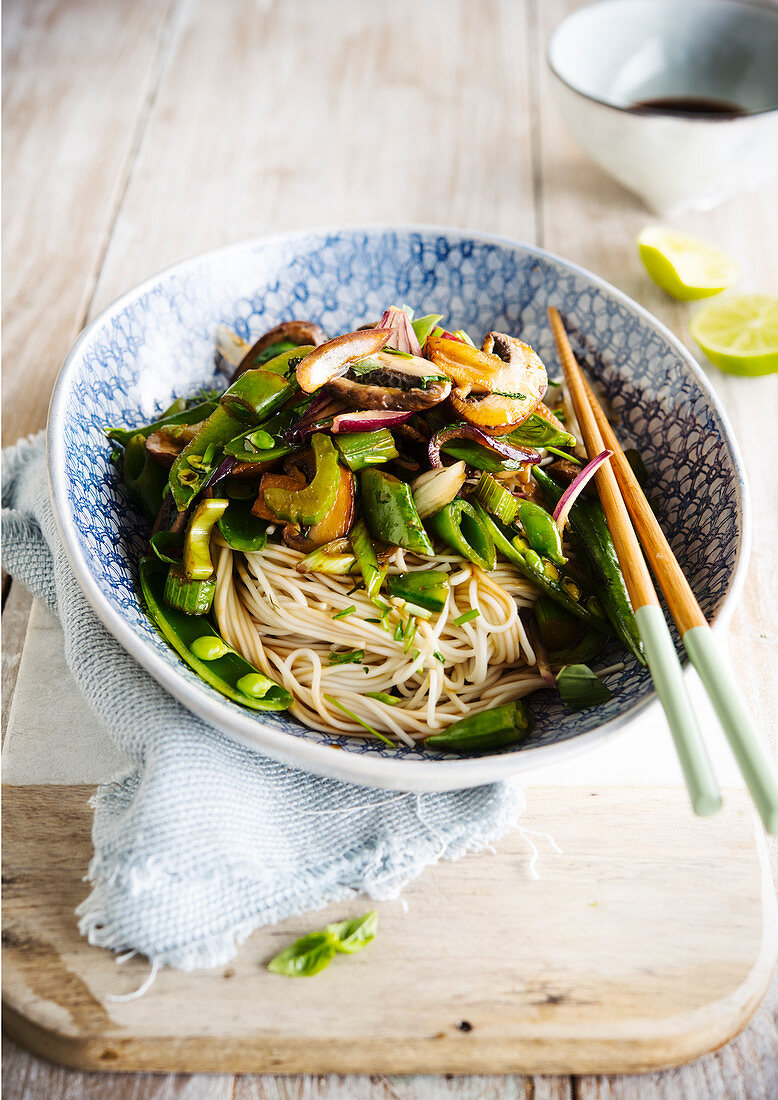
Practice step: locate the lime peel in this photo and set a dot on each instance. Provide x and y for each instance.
(740, 333)
(685, 267)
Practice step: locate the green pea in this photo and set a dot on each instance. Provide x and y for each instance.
(550, 570)
(572, 589)
(209, 648)
(252, 684)
(532, 559)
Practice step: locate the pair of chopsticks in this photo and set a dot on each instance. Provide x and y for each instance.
(622, 498)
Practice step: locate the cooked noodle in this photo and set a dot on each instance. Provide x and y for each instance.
(282, 622)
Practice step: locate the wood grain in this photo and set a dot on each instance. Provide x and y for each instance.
(534, 1002)
(224, 150)
(77, 80)
(325, 113)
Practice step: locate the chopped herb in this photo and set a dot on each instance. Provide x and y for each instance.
(398, 632)
(439, 657)
(564, 454)
(372, 620)
(467, 617)
(510, 396)
(356, 657)
(346, 611)
(383, 697)
(396, 351)
(356, 718)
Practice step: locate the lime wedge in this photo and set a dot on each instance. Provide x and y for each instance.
(684, 266)
(740, 333)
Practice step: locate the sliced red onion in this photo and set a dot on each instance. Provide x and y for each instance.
(498, 444)
(403, 336)
(568, 498)
(369, 420)
(320, 407)
(221, 471)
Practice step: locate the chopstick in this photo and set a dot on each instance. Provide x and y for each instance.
(661, 657)
(711, 663)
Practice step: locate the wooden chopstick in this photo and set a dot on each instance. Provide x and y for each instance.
(711, 663)
(661, 657)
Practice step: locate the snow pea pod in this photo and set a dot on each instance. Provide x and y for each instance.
(545, 575)
(541, 531)
(507, 724)
(390, 514)
(590, 529)
(241, 528)
(460, 527)
(190, 470)
(144, 477)
(217, 664)
(193, 415)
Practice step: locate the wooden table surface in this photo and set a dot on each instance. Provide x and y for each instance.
(139, 132)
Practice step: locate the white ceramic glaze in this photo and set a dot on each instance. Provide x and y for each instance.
(612, 54)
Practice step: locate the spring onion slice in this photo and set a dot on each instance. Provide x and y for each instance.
(356, 718)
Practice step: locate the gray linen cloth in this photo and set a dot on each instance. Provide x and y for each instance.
(205, 840)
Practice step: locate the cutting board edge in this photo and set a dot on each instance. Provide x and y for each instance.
(642, 1047)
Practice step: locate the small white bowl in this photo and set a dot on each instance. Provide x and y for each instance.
(614, 54)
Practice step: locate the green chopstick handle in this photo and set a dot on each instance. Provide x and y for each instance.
(668, 680)
(716, 674)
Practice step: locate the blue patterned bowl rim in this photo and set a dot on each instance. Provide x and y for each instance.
(364, 769)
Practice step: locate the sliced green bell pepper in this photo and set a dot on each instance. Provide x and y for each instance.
(310, 505)
(361, 449)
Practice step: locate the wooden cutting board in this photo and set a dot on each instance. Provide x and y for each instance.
(647, 941)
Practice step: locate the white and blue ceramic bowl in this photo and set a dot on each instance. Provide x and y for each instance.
(610, 55)
(157, 342)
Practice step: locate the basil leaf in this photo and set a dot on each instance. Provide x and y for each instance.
(352, 935)
(305, 957)
(580, 687)
(535, 431)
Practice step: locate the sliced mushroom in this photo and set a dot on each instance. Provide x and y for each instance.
(404, 384)
(497, 386)
(296, 332)
(335, 357)
(166, 444)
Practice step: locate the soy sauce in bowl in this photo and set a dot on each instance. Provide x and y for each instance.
(696, 105)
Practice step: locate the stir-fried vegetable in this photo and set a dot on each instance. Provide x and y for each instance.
(357, 451)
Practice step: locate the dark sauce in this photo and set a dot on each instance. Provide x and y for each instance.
(689, 105)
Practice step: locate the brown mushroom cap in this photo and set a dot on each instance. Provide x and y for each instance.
(296, 332)
(166, 444)
(405, 385)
